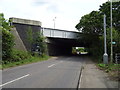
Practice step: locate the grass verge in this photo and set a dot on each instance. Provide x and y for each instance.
(0, 66)
(113, 70)
(33, 59)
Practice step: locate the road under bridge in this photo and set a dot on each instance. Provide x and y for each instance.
(59, 42)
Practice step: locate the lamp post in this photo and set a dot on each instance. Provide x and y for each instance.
(111, 58)
(105, 56)
(54, 22)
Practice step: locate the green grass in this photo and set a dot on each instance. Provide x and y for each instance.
(26, 61)
(111, 69)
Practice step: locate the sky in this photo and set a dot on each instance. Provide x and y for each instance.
(67, 12)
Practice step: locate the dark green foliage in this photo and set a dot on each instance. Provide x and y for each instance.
(38, 45)
(16, 56)
(30, 36)
(25, 61)
(105, 8)
(7, 38)
(7, 44)
(19, 55)
(8, 53)
(109, 67)
(41, 44)
(91, 25)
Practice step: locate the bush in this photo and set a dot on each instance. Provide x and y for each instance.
(40, 45)
(7, 38)
(7, 44)
(16, 56)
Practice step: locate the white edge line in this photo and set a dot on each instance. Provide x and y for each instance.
(80, 80)
(14, 80)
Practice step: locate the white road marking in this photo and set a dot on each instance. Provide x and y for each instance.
(14, 80)
(80, 81)
(54, 64)
(51, 65)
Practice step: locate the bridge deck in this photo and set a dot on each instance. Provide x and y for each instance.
(57, 33)
(47, 32)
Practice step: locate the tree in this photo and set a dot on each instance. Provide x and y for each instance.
(37, 42)
(91, 25)
(40, 42)
(30, 38)
(105, 8)
(7, 38)
(116, 38)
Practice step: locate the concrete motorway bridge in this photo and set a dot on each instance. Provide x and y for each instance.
(59, 42)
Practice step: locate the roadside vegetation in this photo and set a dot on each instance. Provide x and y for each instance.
(112, 69)
(91, 25)
(30, 60)
(12, 57)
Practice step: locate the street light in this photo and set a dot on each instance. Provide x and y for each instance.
(105, 56)
(54, 22)
(111, 59)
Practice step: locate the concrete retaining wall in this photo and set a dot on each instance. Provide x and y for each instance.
(20, 30)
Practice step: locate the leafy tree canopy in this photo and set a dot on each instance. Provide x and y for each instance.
(105, 8)
(93, 22)
(91, 25)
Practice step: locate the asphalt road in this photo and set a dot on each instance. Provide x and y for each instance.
(62, 72)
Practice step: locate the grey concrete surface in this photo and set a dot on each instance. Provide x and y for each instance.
(19, 45)
(26, 21)
(62, 72)
(92, 77)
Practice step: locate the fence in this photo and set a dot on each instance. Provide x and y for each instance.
(117, 58)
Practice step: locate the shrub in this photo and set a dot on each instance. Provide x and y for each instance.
(17, 55)
(7, 38)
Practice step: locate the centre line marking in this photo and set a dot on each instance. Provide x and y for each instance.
(14, 80)
(51, 65)
(54, 64)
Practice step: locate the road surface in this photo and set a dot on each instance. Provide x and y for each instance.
(62, 72)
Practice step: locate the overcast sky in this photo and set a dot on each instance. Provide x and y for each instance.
(67, 12)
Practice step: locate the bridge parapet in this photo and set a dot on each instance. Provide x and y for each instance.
(25, 21)
(56, 33)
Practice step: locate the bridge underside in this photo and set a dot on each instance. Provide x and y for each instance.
(62, 46)
(60, 42)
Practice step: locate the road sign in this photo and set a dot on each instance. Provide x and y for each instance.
(113, 42)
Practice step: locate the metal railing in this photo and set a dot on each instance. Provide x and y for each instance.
(117, 58)
(48, 32)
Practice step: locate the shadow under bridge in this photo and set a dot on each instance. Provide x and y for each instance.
(61, 46)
